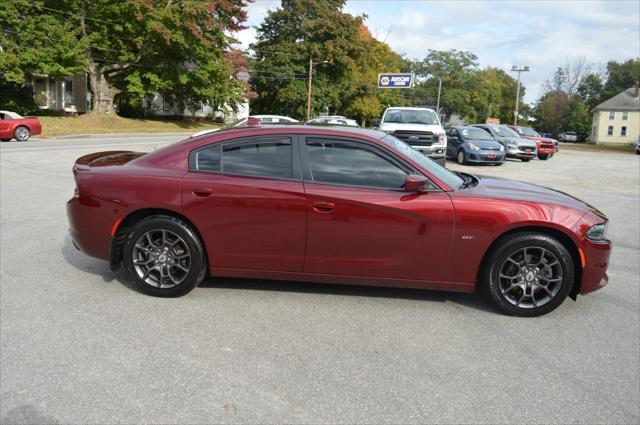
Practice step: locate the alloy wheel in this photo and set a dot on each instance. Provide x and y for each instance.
(530, 277)
(22, 134)
(161, 258)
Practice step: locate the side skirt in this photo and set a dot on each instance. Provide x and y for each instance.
(340, 279)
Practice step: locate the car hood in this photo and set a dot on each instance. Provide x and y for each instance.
(518, 141)
(485, 144)
(539, 139)
(391, 127)
(515, 190)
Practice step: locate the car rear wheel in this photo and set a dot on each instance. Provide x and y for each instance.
(22, 134)
(164, 257)
(461, 159)
(527, 274)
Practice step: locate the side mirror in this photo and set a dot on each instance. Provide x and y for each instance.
(415, 183)
(374, 123)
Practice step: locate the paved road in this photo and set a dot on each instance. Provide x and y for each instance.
(79, 346)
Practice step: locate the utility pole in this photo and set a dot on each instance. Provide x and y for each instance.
(309, 88)
(519, 71)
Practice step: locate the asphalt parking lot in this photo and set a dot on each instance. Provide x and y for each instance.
(78, 345)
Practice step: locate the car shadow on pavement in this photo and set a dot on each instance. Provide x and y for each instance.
(100, 268)
(473, 301)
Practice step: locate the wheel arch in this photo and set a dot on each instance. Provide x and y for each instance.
(561, 236)
(130, 220)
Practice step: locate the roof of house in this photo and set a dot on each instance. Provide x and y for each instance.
(624, 101)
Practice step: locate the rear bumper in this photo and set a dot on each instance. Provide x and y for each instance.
(88, 227)
(594, 272)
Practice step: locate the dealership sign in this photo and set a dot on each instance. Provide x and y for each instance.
(395, 81)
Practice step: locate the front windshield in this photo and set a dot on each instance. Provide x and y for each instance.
(438, 171)
(503, 131)
(410, 116)
(475, 134)
(526, 131)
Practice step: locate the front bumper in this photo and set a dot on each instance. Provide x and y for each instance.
(486, 156)
(596, 262)
(520, 153)
(436, 153)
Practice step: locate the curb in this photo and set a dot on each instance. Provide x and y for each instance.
(115, 135)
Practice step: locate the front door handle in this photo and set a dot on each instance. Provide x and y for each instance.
(323, 207)
(201, 192)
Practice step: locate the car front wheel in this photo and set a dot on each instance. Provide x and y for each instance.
(164, 257)
(461, 159)
(527, 274)
(22, 134)
(544, 156)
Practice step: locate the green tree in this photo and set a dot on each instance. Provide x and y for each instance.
(178, 48)
(621, 76)
(576, 117)
(346, 61)
(549, 111)
(590, 90)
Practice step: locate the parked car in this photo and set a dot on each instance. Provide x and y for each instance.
(514, 145)
(332, 205)
(15, 126)
(265, 119)
(636, 146)
(419, 127)
(473, 145)
(569, 136)
(333, 120)
(545, 147)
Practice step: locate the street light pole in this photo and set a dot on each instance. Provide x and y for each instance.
(309, 88)
(516, 112)
(439, 91)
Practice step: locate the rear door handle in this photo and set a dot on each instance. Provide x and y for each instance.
(323, 207)
(201, 192)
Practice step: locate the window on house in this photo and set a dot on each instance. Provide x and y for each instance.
(166, 103)
(612, 115)
(68, 93)
(623, 131)
(625, 116)
(610, 131)
(40, 94)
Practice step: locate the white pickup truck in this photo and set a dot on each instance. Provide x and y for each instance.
(418, 127)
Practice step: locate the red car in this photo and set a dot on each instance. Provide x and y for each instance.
(14, 126)
(546, 147)
(332, 205)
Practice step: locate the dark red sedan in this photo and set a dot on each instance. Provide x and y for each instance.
(333, 205)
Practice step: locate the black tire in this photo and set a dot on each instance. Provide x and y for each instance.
(6, 140)
(491, 281)
(197, 267)
(499, 163)
(544, 156)
(461, 157)
(22, 134)
(525, 159)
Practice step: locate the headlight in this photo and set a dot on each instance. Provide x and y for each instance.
(597, 232)
(513, 147)
(474, 147)
(442, 139)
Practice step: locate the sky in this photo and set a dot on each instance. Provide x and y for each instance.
(540, 34)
